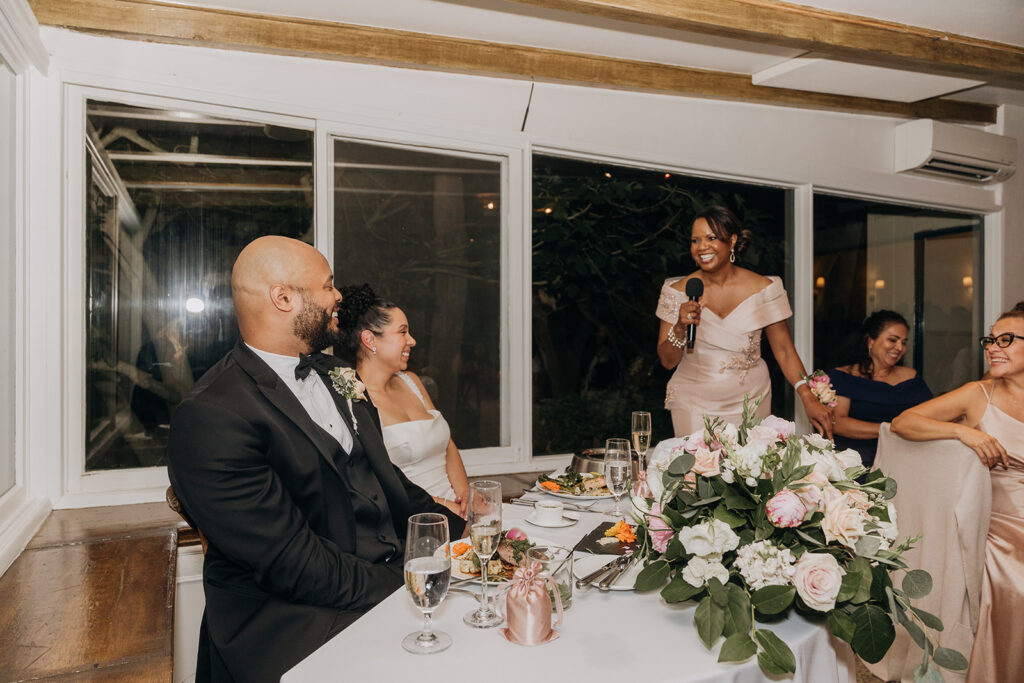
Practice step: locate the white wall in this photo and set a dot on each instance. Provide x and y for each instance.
(1011, 248)
(841, 153)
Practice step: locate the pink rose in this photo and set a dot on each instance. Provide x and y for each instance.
(660, 532)
(706, 462)
(843, 523)
(766, 436)
(695, 441)
(784, 428)
(857, 499)
(785, 509)
(817, 579)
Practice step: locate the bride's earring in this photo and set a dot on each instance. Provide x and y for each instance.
(732, 256)
(374, 349)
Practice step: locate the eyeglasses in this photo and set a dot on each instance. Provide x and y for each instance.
(1002, 341)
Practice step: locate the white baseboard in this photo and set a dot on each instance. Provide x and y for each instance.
(20, 528)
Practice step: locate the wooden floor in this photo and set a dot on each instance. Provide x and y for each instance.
(92, 597)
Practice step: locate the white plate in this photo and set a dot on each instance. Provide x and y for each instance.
(567, 520)
(570, 496)
(585, 563)
(456, 574)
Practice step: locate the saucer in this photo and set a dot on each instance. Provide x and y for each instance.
(566, 521)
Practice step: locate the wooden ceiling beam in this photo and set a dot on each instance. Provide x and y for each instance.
(845, 36)
(187, 25)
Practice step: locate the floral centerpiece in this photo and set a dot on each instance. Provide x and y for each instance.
(753, 521)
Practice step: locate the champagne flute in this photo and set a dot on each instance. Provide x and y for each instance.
(428, 570)
(484, 523)
(642, 435)
(617, 463)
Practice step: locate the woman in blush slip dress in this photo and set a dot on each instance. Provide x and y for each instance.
(725, 364)
(992, 424)
(375, 333)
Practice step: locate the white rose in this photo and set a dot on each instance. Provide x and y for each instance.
(661, 456)
(817, 578)
(849, 458)
(843, 523)
(824, 462)
(699, 570)
(818, 441)
(713, 537)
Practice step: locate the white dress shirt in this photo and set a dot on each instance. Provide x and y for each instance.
(312, 393)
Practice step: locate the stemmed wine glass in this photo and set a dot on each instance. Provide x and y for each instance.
(617, 463)
(484, 523)
(428, 570)
(642, 435)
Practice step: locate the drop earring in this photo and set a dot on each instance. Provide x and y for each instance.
(374, 349)
(732, 256)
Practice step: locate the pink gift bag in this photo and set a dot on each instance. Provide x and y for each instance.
(527, 607)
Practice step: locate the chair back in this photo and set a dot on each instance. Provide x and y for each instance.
(175, 504)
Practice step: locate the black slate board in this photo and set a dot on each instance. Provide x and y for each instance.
(590, 544)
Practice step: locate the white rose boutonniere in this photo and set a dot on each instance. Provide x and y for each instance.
(349, 387)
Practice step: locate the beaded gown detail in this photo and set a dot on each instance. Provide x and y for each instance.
(725, 364)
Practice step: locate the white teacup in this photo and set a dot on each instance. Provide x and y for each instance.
(547, 512)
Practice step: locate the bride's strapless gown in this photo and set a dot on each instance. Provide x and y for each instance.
(419, 448)
(998, 654)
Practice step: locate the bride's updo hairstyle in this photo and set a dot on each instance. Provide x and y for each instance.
(360, 310)
(724, 224)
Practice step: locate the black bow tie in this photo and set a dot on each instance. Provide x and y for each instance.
(314, 361)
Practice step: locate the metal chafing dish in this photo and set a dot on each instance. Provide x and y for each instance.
(592, 460)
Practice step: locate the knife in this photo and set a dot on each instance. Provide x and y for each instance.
(597, 574)
(618, 570)
(568, 506)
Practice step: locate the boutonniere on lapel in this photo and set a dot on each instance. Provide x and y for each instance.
(349, 387)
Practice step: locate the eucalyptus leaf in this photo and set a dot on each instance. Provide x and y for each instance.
(776, 652)
(917, 584)
(709, 619)
(890, 488)
(737, 648)
(841, 625)
(679, 590)
(917, 634)
(687, 498)
(728, 516)
(652, 576)
(867, 546)
(681, 465)
(949, 658)
(925, 673)
(928, 619)
(773, 599)
(873, 634)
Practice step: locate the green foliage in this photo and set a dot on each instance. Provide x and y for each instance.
(775, 656)
(873, 633)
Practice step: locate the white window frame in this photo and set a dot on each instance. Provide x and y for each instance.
(81, 488)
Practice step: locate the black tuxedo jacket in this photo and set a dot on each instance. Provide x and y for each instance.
(264, 484)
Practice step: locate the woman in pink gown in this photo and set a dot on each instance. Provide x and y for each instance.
(725, 364)
(992, 425)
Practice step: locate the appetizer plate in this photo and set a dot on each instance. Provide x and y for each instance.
(569, 496)
(457, 575)
(567, 520)
(584, 564)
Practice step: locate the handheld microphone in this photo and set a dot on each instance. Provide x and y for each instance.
(694, 290)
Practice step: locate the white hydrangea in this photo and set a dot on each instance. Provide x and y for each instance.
(764, 564)
(699, 570)
(712, 537)
(745, 462)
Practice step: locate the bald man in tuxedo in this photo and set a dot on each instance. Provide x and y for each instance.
(304, 513)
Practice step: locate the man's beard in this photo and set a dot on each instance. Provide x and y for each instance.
(313, 326)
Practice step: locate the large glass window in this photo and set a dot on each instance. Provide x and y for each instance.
(8, 274)
(924, 264)
(172, 197)
(424, 229)
(605, 238)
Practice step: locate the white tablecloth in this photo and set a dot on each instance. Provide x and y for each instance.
(614, 636)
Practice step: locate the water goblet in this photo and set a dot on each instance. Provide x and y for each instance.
(428, 571)
(617, 464)
(484, 523)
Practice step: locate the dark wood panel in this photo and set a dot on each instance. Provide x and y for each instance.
(72, 526)
(72, 610)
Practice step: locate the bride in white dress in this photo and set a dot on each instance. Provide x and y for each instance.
(418, 439)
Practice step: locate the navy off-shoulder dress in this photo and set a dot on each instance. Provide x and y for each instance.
(873, 401)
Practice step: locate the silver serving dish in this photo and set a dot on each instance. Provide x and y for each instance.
(592, 460)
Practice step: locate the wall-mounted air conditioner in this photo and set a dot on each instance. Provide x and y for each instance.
(954, 152)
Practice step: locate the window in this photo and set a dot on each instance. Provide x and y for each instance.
(171, 198)
(8, 346)
(424, 228)
(921, 263)
(605, 237)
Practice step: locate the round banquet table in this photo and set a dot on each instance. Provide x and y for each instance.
(613, 636)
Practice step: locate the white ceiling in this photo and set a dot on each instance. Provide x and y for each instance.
(509, 22)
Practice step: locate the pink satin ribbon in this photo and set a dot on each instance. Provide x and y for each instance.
(527, 607)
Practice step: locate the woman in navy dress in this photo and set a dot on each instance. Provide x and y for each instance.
(875, 388)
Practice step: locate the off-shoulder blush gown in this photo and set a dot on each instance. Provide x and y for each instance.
(725, 364)
(998, 653)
